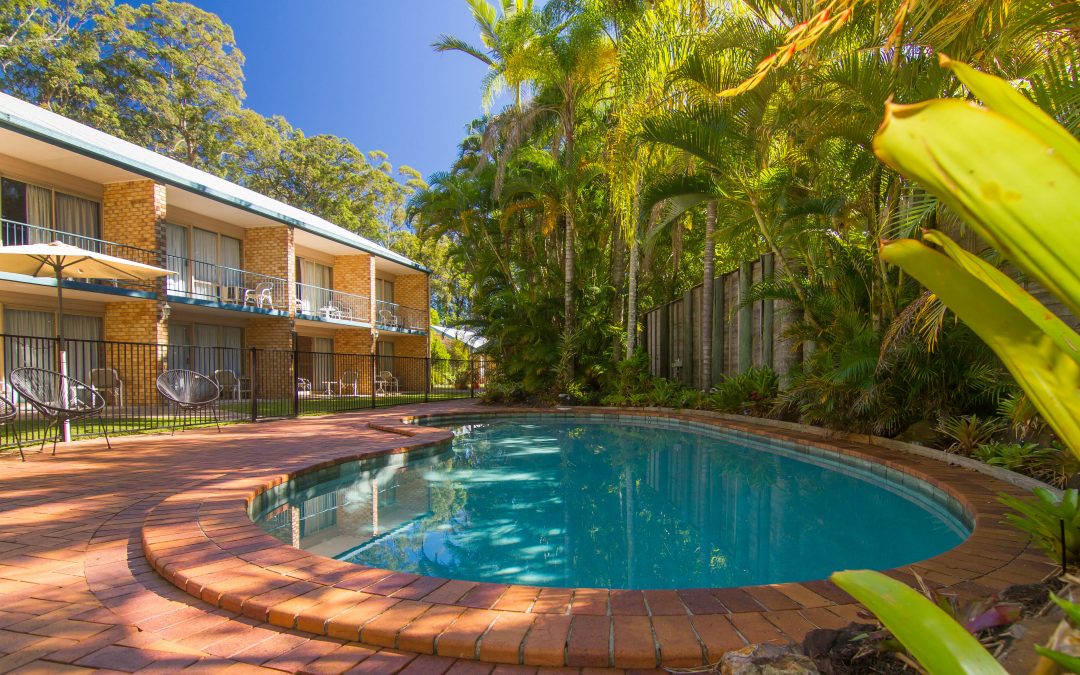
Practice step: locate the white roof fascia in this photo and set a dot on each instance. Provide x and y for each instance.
(28, 119)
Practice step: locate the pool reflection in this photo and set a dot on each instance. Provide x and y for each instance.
(578, 504)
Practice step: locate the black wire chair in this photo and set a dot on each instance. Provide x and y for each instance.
(8, 412)
(189, 392)
(58, 398)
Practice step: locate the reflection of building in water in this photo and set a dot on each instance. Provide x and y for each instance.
(730, 510)
(344, 514)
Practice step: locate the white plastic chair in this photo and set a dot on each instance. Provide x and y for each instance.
(260, 296)
(228, 382)
(108, 380)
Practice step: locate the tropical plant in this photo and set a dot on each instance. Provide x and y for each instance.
(1069, 662)
(1021, 195)
(1044, 518)
(1027, 458)
(1023, 418)
(968, 432)
(752, 392)
(935, 639)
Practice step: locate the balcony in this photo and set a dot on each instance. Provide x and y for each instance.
(208, 284)
(389, 316)
(13, 233)
(325, 304)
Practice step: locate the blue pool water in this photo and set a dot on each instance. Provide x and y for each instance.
(569, 502)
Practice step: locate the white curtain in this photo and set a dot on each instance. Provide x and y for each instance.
(204, 250)
(232, 356)
(38, 350)
(179, 349)
(39, 212)
(78, 216)
(206, 339)
(82, 335)
(318, 275)
(230, 258)
(323, 360)
(176, 249)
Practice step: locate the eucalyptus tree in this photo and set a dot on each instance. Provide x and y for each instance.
(175, 74)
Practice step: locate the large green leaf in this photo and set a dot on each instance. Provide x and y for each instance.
(941, 645)
(1005, 169)
(1043, 365)
(1000, 283)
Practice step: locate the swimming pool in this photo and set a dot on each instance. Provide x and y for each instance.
(638, 503)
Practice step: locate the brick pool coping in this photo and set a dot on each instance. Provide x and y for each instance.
(203, 541)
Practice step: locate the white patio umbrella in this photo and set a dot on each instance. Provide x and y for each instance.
(62, 261)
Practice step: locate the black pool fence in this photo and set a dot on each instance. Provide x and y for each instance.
(256, 384)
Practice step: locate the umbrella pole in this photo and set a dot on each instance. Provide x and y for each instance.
(61, 348)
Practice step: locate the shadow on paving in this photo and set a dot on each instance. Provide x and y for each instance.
(76, 589)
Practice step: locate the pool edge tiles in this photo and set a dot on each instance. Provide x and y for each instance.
(285, 588)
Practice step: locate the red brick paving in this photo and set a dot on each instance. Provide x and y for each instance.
(86, 536)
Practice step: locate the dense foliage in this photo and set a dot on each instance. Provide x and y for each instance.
(649, 145)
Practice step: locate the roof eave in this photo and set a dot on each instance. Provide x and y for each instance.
(7, 121)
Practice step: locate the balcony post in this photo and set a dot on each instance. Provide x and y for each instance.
(252, 365)
(296, 374)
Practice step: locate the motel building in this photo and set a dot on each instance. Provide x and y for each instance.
(250, 271)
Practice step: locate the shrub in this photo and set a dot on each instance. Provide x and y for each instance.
(501, 391)
(969, 431)
(1042, 517)
(1023, 457)
(753, 392)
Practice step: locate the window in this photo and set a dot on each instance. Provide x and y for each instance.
(81, 333)
(384, 290)
(385, 352)
(207, 264)
(25, 208)
(205, 348)
(323, 361)
(313, 290)
(176, 250)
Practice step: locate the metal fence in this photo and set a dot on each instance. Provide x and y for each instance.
(256, 384)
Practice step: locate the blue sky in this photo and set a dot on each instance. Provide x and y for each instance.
(361, 69)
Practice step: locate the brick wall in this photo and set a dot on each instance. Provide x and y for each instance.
(271, 251)
(411, 290)
(138, 321)
(356, 274)
(272, 332)
(355, 341)
(133, 213)
(410, 366)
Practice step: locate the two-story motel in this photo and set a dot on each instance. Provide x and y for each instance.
(250, 271)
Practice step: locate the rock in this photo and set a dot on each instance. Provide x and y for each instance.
(922, 432)
(766, 659)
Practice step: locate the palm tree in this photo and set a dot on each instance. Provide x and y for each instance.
(508, 39)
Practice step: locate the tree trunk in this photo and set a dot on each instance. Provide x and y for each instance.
(618, 277)
(635, 272)
(568, 294)
(631, 299)
(705, 376)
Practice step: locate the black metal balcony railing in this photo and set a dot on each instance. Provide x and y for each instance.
(395, 317)
(325, 303)
(206, 281)
(13, 233)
